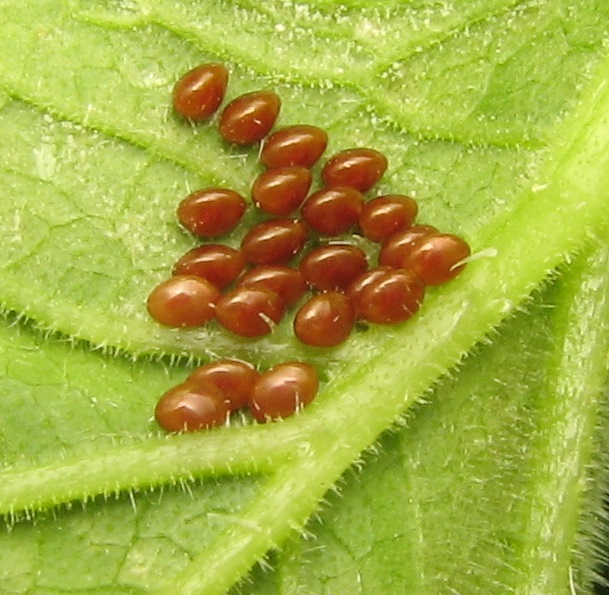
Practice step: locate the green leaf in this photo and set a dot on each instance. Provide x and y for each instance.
(494, 114)
(465, 498)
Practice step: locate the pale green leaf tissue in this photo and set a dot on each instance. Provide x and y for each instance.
(461, 453)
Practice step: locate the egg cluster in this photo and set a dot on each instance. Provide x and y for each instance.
(214, 390)
(292, 259)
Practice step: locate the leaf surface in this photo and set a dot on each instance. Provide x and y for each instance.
(495, 115)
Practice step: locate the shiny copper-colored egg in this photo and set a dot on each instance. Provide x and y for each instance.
(435, 258)
(294, 145)
(183, 300)
(283, 391)
(387, 215)
(199, 93)
(396, 248)
(217, 263)
(250, 117)
(333, 267)
(250, 311)
(325, 320)
(280, 191)
(190, 407)
(233, 377)
(359, 168)
(392, 297)
(286, 282)
(333, 211)
(274, 242)
(211, 212)
(359, 284)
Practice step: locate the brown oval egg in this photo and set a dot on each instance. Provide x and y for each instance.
(283, 391)
(217, 263)
(435, 258)
(183, 300)
(333, 267)
(391, 297)
(199, 93)
(397, 247)
(250, 311)
(234, 378)
(325, 320)
(274, 242)
(189, 407)
(333, 211)
(280, 191)
(294, 145)
(385, 216)
(250, 117)
(286, 282)
(211, 212)
(358, 168)
(360, 283)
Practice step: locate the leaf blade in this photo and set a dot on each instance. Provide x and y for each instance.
(539, 177)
